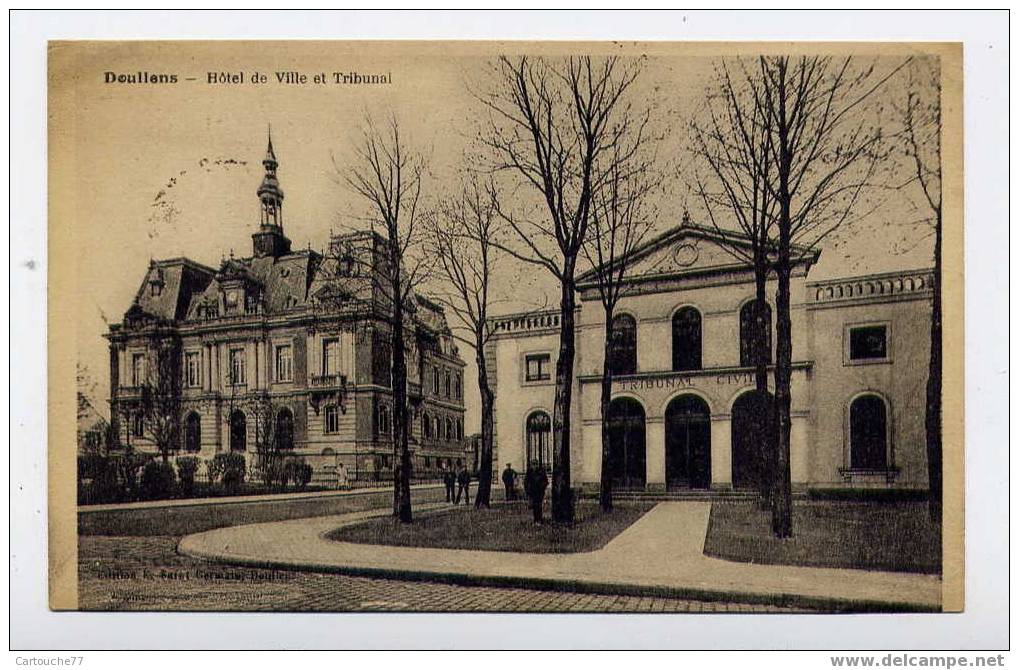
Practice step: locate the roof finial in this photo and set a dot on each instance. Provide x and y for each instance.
(269, 153)
(686, 217)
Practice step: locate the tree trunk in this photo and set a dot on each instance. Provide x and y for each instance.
(562, 495)
(763, 421)
(401, 455)
(781, 516)
(932, 423)
(484, 496)
(606, 398)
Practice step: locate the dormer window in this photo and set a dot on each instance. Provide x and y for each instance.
(345, 266)
(156, 283)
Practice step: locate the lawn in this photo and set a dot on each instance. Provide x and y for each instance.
(188, 519)
(895, 536)
(504, 527)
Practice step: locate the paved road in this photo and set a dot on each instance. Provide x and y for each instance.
(146, 573)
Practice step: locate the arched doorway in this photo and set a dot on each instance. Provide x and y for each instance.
(238, 431)
(627, 452)
(285, 430)
(753, 430)
(193, 433)
(688, 443)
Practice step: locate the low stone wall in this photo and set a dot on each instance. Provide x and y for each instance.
(186, 519)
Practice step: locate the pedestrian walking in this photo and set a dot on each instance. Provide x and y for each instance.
(463, 478)
(509, 478)
(534, 485)
(449, 479)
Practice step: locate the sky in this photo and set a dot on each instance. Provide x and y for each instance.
(171, 170)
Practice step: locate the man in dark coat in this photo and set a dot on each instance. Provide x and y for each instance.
(463, 478)
(534, 485)
(509, 478)
(449, 479)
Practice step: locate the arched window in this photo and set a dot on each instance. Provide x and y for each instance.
(193, 433)
(426, 424)
(383, 419)
(438, 428)
(238, 431)
(623, 348)
(458, 387)
(285, 430)
(539, 439)
(868, 433)
(686, 339)
(449, 385)
(750, 347)
(450, 433)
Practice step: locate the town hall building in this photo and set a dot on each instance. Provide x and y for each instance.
(682, 412)
(284, 349)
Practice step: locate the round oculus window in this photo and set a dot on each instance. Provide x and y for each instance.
(685, 255)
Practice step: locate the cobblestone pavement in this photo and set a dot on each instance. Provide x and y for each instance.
(146, 573)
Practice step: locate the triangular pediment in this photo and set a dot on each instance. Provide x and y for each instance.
(690, 249)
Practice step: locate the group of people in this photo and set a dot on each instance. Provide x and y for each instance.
(535, 484)
(458, 485)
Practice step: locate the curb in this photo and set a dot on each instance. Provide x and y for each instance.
(791, 600)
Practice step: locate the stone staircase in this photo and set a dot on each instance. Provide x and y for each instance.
(705, 495)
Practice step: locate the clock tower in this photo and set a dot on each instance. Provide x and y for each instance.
(270, 240)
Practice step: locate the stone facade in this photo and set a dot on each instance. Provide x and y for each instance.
(681, 418)
(292, 344)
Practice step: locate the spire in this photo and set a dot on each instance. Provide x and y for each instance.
(270, 155)
(270, 193)
(270, 240)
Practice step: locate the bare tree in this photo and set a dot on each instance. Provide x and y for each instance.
(623, 214)
(825, 145)
(732, 141)
(272, 444)
(919, 140)
(462, 242)
(550, 123)
(388, 176)
(161, 400)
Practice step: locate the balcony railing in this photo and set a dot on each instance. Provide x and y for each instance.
(328, 381)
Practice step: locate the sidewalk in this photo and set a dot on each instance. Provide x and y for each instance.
(662, 554)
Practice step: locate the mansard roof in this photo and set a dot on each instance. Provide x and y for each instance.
(692, 249)
(168, 287)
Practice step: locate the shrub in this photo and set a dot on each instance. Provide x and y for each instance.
(187, 468)
(158, 480)
(272, 471)
(230, 468)
(296, 470)
(304, 475)
(98, 480)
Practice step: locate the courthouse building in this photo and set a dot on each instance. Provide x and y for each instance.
(291, 345)
(682, 396)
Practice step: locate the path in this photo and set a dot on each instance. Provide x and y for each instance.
(661, 554)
